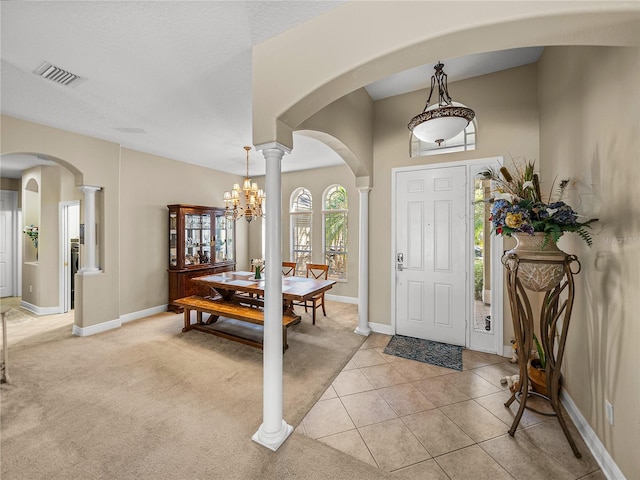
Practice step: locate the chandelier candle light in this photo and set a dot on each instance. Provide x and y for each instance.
(443, 120)
(254, 198)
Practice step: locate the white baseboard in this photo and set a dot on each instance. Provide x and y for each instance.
(507, 351)
(598, 450)
(340, 298)
(40, 310)
(381, 328)
(128, 317)
(111, 324)
(98, 328)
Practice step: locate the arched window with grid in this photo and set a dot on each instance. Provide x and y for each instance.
(301, 217)
(335, 213)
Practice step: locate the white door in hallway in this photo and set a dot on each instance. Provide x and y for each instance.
(430, 254)
(7, 210)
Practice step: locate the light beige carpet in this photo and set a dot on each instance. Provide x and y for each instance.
(147, 401)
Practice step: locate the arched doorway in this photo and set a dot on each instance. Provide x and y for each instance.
(42, 231)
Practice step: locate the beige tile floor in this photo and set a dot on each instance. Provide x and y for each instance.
(424, 422)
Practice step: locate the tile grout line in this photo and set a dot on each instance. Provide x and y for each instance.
(473, 398)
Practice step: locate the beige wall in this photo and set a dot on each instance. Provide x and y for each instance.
(347, 127)
(131, 216)
(13, 184)
(148, 184)
(49, 237)
(93, 162)
(317, 181)
(507, 125)
(589, 131)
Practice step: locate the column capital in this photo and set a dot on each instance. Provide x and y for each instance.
(363, 182)
(89, 188)
(263, 147)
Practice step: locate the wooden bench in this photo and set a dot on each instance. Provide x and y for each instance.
(217, 308)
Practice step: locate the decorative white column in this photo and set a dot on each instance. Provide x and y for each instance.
(90, 265)
(274, 430)
(363, 265)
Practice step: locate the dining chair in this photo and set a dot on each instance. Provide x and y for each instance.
(318, 271)
(288, 269)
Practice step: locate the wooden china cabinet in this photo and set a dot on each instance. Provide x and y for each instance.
(201, 242)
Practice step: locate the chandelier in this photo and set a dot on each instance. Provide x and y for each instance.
(441, 121)
(254, 198)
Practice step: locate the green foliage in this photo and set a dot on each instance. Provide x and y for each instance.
(336, 231)
(478, 280)
(540, 350)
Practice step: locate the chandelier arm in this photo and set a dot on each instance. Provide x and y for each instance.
(444, 94)
(433, 80)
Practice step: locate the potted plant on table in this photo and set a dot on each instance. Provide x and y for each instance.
(32, 232)
(257, 265)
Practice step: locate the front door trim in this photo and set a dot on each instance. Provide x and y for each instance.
(497, 286)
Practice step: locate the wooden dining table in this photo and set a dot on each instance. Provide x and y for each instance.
(236, 305)
(242, 287)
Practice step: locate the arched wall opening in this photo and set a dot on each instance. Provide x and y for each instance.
(45, 183)
(280, 107)
(92, 162)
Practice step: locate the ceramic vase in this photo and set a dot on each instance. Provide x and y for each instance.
(538, 276)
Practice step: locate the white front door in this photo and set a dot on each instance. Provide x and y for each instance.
(431, 252)
(7, 247)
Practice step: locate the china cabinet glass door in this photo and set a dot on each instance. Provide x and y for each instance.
(224, 239)
(173, 239)
(197, 238)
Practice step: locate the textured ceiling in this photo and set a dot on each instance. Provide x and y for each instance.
(167, 78)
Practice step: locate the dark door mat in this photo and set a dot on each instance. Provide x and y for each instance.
(426, 351)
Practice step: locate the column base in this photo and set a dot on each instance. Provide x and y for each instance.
(365, 332)
(272, 441)
(89, 271)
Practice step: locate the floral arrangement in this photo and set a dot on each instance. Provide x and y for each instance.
(32, 232)
(518, 205)
(257, 265)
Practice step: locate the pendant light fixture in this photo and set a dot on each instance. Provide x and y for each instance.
(254, 198)
(443, 120)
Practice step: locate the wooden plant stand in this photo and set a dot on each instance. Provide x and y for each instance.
(554, 320)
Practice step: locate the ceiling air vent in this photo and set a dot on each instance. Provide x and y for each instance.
(58, 75)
